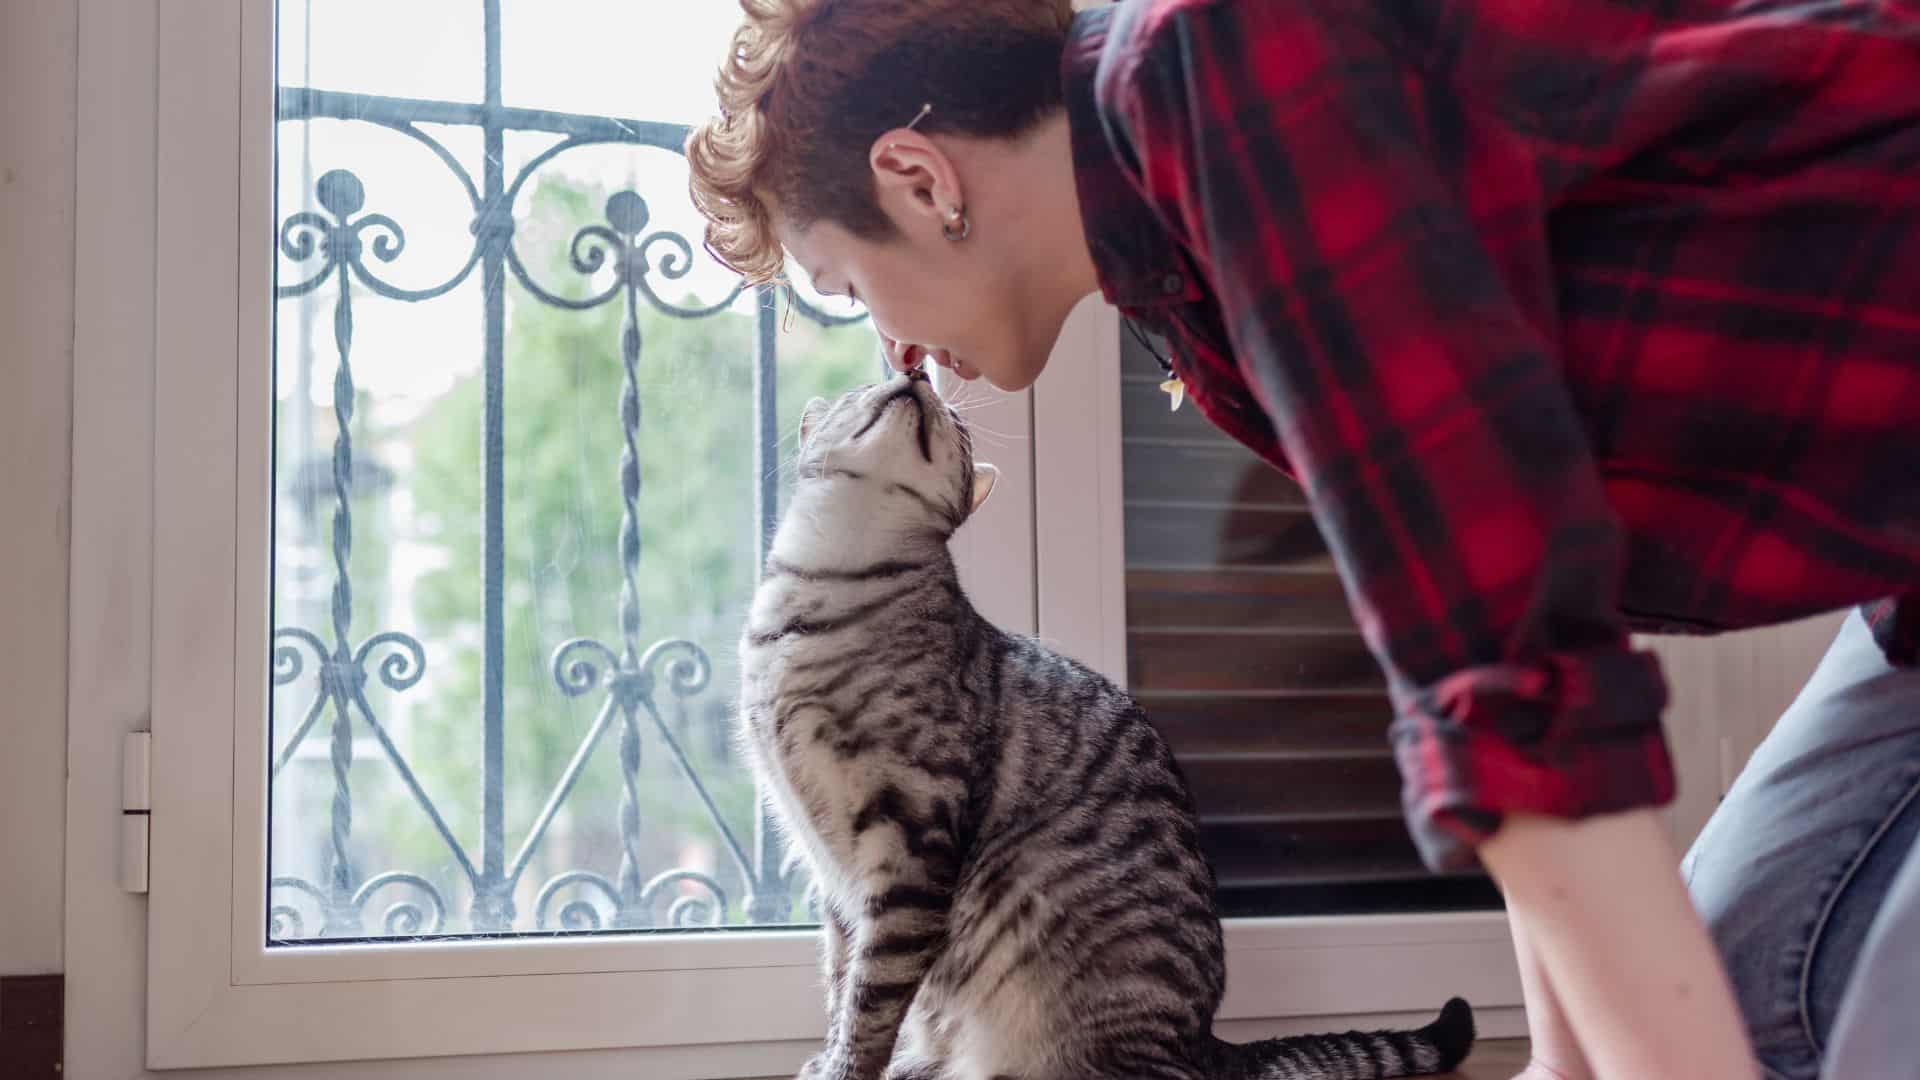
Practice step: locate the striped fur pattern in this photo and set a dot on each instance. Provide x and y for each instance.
(1006, 854)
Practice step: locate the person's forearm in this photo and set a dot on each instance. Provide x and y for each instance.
(1627, 958)
(1555, 1053)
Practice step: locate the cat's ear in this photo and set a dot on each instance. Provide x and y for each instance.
(810, 418)
(984, 476)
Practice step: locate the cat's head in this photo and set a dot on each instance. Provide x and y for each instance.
(897, 451)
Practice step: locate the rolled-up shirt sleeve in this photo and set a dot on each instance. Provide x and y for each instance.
(1379, 253)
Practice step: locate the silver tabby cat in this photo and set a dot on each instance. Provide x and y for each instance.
(1006, 855)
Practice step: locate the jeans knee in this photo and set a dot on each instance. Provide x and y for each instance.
(1763, 930)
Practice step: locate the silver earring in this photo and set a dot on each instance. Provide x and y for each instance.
(957, 227)
(917, 117)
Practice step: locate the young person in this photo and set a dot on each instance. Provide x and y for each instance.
(1570, 318)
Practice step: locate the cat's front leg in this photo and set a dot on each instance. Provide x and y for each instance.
(892, 946)
(919, 1051)
(833, 964)
(905, 861)
(816, 1069)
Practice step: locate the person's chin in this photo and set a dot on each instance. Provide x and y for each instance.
(1007, 377)
(1018, 376)
(1011, 383)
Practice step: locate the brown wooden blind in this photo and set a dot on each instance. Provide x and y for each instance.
(1242, 649)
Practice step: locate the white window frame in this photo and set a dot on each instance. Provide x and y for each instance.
(693, 1006)
(216, 994)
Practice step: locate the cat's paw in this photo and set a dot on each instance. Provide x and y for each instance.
(818, 1067)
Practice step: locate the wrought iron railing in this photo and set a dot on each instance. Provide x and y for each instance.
(345, 243)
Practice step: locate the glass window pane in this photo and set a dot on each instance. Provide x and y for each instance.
(410, 50)
(522, 462)
(1242, 650)
(640, 60)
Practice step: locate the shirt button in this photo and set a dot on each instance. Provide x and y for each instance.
(1173, 284)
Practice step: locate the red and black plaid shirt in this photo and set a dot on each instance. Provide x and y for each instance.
(1570, 317)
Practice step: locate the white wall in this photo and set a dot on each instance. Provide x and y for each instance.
(37, 66)
(1726, 693)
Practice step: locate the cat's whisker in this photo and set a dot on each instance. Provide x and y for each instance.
(991, 433)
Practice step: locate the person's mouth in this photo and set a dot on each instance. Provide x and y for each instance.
(905, 357)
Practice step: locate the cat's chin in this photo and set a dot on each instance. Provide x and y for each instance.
(820, 533)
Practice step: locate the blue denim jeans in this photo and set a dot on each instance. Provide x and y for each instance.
(1808, 876)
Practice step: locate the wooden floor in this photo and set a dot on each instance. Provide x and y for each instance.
(1496, 1059)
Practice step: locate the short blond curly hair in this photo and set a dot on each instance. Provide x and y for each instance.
(807, 85)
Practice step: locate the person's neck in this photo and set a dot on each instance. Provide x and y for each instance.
(1038, 196)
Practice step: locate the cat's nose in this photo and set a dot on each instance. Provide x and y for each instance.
(918, 374)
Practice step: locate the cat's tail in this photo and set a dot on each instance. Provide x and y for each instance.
(1363, 1055)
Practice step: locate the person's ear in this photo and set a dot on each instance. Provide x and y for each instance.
(916, 179)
